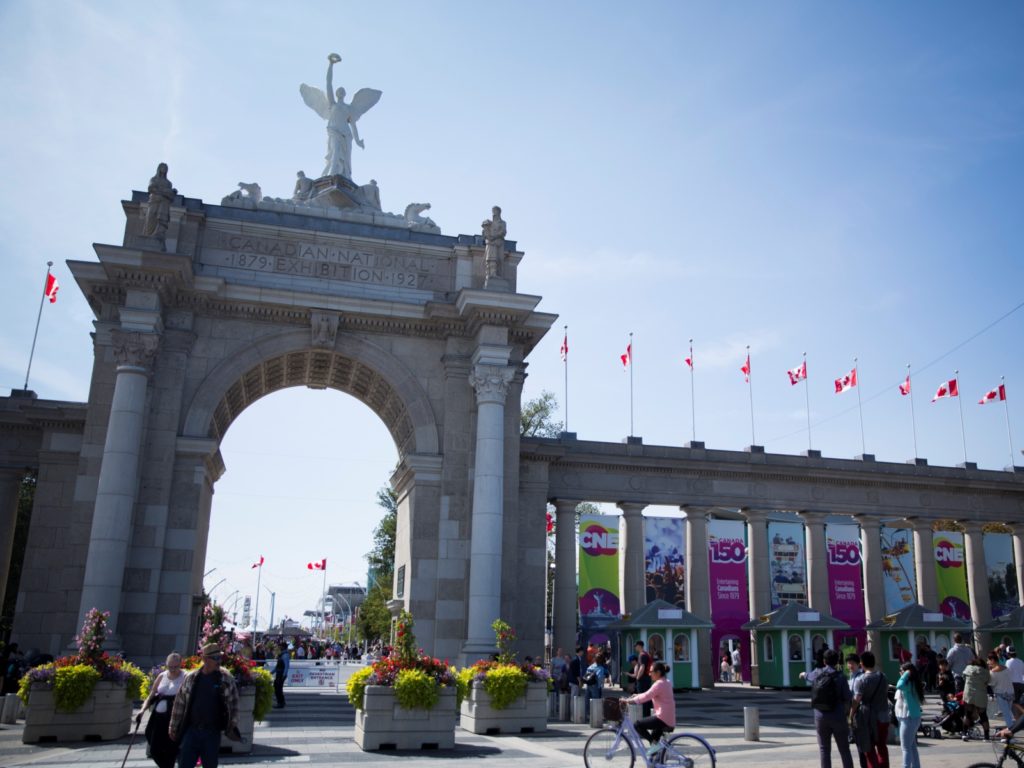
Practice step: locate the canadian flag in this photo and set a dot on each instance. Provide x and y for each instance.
(849, 381)
(564, 349)
(999, 393)
(628, 357)
(905, 386)
(798, 374)
(52, 286)
(947, 389)
(321, 566)
(549, 522)
(689, 360)
(257, 565)
(745, 369)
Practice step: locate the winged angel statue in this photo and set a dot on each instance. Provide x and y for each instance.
(341, 119)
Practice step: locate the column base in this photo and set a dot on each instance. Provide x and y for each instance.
(477, 650)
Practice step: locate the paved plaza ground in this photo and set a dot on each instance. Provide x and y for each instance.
(316, 728)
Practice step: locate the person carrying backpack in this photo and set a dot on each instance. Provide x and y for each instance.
(869, 716)
(830, 698)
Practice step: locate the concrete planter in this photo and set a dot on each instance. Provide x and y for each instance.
(105, 715)
(246, 726)
(527, 714)
(382, 724)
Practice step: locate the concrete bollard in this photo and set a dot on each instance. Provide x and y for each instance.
(579, 709)
(9, 707)
(564, 707)
(751, 724)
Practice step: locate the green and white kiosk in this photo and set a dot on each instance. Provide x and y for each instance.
(1009, 626)
(902, 630)
(669, 634)
(787, 640)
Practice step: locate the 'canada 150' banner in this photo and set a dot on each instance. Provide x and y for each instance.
(599, 566)
(845, 580)
(727, 574)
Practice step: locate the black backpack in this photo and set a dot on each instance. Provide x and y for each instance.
(825, 695)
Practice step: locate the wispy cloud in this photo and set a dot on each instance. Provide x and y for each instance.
(732, 351)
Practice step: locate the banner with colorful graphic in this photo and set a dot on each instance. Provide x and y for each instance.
(665, 559)
(788, 563)
(898, 574)
(1002, 573)
(599, 567)
(951, 574)
(845, 578)
(727, 579)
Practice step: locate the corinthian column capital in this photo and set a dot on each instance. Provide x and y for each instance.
(491, 382)
(134, 349)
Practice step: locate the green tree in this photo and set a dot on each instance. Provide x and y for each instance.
(382, 557)
(536, 417)
(374, 620)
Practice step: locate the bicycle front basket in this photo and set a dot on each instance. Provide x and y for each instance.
(612, 711)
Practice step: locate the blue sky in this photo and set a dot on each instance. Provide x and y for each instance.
(842, 179)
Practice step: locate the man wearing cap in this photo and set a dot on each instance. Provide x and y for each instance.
(206, 704)
(1016, 667)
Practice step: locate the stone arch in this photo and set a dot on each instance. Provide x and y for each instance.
(352, 365)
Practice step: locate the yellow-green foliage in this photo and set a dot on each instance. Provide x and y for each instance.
(73, 685)
(264, 693)
(356, 686)
(25, 685)
(415, 689)
(138, 682)
(504, 684)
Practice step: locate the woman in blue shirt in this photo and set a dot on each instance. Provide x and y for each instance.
(909, 697)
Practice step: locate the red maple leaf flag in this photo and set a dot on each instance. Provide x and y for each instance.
(52, 286)
(689, 360)
(849, 381)
(905, 386)
(798, 374)
(564, 349)
(549, 522)
(257, 565)
(321, 566)
(745, 369)
(999, 393)
(947, 389)
(628, 357)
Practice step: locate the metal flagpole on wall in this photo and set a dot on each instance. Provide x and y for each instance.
(913, 419)
(750, 391)
(256, 610)
(860, 407)
(630, 348)
(807, 397)
(323, 604)
(693, 397)
(1006, 410)
(565, 364)
(39, 317)
(960, 403)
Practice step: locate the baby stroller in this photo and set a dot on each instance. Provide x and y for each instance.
(952, 719)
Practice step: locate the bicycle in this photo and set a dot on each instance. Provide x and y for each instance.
(618, 746)
(1011, 755)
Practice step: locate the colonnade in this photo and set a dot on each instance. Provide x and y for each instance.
(698, 598)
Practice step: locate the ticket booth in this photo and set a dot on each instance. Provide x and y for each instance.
(1008, 627)
(669, 634)
(787, 640)
(900, 633)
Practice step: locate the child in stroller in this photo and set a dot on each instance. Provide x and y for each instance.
(952, 718)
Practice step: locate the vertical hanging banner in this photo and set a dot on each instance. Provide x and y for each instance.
(898, 574)
(788, 563)
(665, 559)
(951, 575)
(599, 572)
(727, 579)
(845, 578)
(1002, 574)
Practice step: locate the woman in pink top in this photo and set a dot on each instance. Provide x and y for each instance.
(660, 694)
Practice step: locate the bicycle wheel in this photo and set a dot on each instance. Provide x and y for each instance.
(982, 765)
(605, 748)
(687, 751)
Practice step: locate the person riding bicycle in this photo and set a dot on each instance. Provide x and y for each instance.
(660, 694)
(1017, 727)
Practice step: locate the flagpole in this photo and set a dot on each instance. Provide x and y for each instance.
(631, 383)
(960, 402)
(860, 407)
(913, 419)
(256, 611)
(39, 317)
(750, 391)
(693, 397)
(565, 365)
(807, 396)
(323, 605)
(1006, 410)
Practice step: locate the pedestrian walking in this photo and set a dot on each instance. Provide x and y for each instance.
(1002, 687)
(281, 668)
(642, 673)
(830, 697)
(869, 715)
(162, 691)
(1016, 667)
(909, 698)
(206, 706)
(959, 656)
(737, 665)
(976, 679)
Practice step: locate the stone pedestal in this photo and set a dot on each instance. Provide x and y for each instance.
(527, 714)
(382, 724)
(104, 716)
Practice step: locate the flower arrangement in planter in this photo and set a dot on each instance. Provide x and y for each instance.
(87, 694)
(503, 695)
(407, 700)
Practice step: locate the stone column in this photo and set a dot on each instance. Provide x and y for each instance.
(871, 567)
(564, 599)
(758, 562)
(817, 561)
(631, 569)
(698, 586)
(977, 579)
(10, 486)
(924, 563)
(1018, 557)
(491, 383)
(119, 477)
